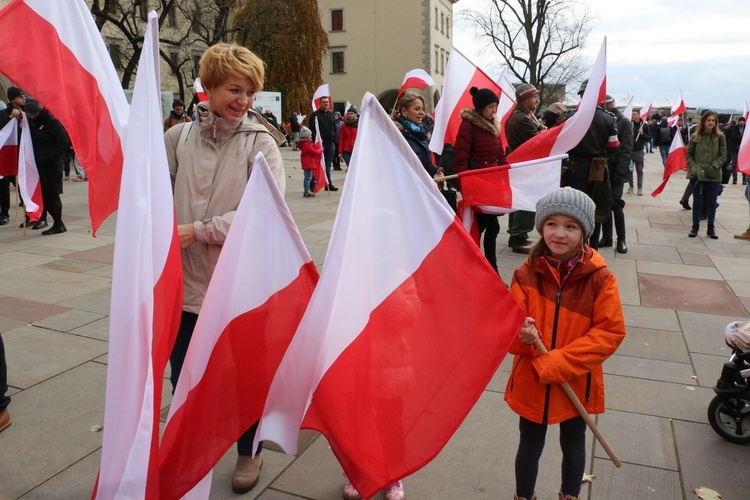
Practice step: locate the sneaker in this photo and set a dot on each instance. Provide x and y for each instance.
(306, 194)
(350, 492)
(640, 192)
(630, 191)
(395, 491)
(4, 219)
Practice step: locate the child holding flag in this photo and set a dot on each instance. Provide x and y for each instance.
(311, 153)
(573, 306)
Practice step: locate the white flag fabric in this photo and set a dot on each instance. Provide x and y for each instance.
(628, 109)
(646, 109)
(322, 91)
(29, 184)
(146, 294)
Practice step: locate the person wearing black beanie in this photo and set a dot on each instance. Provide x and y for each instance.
(16, 101)
(478, 146)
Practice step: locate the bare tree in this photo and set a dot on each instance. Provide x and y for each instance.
(186, 29)
(538, 40)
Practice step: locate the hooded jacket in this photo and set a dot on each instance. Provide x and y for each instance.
(477, 143)
(705, 159)
(580, 321)
(209, 169)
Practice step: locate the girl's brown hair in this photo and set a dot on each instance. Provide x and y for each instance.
(714, 135)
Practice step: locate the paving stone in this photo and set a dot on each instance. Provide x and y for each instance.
(704, 333)
(71, 265)
(634, 481)
(650, 369)
(49, 251)
(678, 270)
(98, 329)
(740, 288)
(500, 378)
(28, 311)
(8, 324)
(696, 259)
(708, 368)
(104, 271)
(18, 261)
(708, 460)
(735, 269)
(661, 399)
(51, 286)
(651, 318)
(654, 344)
(653, 447)
(36, 354)
(73, 482)
(97, 302)
(689, 294)
(101, 254)
(69, 320)
(627, 279)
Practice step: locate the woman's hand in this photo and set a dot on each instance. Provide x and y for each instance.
(186, 235)
(528, 332)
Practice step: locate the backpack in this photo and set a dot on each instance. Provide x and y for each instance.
(665, 136)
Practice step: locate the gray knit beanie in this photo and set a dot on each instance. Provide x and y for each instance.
(570, 202)
(304, 133)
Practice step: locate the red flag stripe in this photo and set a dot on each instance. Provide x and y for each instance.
(383, 368)
(71, 93)
(231, 394)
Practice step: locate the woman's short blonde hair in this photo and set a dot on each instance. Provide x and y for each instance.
(224, 59)
(407, 100)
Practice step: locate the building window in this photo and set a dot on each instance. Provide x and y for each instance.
(447, 57)
(115, 53)
(448, 27)
(337, 61)
(337, 19)
(436, 19)
(437, 58)
(442, 23)
(442, 61)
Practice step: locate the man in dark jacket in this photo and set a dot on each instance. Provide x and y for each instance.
(618, 165)
(50, 143)
(327, 124)
(734, 140)
(587, 169)
(16, 101)
(521, 127)
(641, 139)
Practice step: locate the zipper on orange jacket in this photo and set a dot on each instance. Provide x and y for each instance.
(552, 346)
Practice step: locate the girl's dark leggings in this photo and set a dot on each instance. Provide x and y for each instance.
(572, 444)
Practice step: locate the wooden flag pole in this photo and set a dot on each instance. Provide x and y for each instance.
(589, 421)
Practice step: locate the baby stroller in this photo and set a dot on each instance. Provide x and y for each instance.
(729, 411)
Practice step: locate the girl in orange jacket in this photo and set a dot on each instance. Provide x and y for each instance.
(573, 305)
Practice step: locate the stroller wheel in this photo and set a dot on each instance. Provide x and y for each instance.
(730, 418)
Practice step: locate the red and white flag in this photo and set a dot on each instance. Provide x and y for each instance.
(9, 148)
(198, 89)
(746, 113)
(506, 105)
(29, 184)
(319, 172)
(646, 109)
(743, 157)
(80, 86)
(679, 106)
(672, 120)
(322, 91)
(260, 288)
(628, 109)
(507, 188)
(561, 139)
(460, 75)
(146, 295)
(300, 118)
(377, 364)
(415, 79)
(675, 162)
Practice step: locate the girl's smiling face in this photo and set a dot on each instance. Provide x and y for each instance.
(563, 236)
(232, 98)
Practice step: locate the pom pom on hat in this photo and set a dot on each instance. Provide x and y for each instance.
(481, 98)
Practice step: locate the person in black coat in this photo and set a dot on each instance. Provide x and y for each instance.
(50, 144)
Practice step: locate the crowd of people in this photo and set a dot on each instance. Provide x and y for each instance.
(569, 297)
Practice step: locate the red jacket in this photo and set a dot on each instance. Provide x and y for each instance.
(581, 324)
(311, 154)
(478, 142)
(347, 136)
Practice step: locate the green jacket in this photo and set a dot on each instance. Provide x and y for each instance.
(705, 159)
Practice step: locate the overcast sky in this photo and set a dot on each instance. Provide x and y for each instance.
(658, 47)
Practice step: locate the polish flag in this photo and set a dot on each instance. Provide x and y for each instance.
(198, 89)
(28, 175)
(300, 118)
(561, 139)
(80, 86)
(746, 113)
(679, 107)
(415, 79)
(628, 109)
(322, 91)
(319, 173)
(9, 148)
(506, 105)
(507, 188)
(261, 287)
(146, 294)
(675, 162)
(743, 158)
(460, 75)
(672, 120)
(646, 109)
(405, 328)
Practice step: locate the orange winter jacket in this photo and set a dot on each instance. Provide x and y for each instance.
(580, 321)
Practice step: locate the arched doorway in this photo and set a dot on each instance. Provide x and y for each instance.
(388, 99)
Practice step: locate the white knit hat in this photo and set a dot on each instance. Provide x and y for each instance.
(570, 202)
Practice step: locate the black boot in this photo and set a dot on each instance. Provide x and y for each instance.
(620, 229)
(606, 241)
(694, 231)
(594, 238)
(711, 233)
